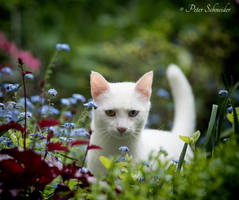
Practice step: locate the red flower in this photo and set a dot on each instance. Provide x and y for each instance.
(24, 169)
(78, 142)
(93, 147)
(56, 146)
(11, 125)
(48, 122)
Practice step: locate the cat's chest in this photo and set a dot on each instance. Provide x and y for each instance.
(110, 146)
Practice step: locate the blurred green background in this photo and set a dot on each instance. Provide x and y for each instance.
(122, 39)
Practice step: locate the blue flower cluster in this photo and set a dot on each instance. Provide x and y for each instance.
(10, 87)
(73, 100)
(6, 142)
(6, 71)
(9, 112)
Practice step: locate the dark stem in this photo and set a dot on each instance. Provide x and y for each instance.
(83, 162)
(25, 105)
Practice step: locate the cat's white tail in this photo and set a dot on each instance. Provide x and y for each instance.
(184, 116)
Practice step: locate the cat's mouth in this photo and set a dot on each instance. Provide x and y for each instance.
(119, 135)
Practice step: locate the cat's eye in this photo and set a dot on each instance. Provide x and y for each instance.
(133, 113)
(110, 113)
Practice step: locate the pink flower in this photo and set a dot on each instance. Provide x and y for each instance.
(13, 51)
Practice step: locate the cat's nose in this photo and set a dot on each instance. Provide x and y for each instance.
(121, 129)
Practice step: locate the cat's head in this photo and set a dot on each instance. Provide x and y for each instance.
(122, 107)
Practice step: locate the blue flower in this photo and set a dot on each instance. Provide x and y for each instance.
(72, 100)
(121, 159)
(162, 93)
(223, 93)
(7, 70)
(79, 97)
(225, 139)
(10, 87)
(52, 92)
(68, 114)
(229, 109)
(29, 76)
(83, 170)
(2, 106)
(1, 94)
(63, 47)
(65, 101)
(21, 103)
(22, 115)
(91, 104)
(39, 135)
(124, 148)
(69, 125)
(5, 141)
(37, 98)
(11, 105)
(79, 132)
(45, 109)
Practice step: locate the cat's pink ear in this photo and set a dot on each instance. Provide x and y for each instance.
(144, 84)
(98, 84)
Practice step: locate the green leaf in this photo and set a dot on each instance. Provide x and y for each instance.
(181, 158)
(128, 158)
(72, 184)
(14, 139)
(106, 162)
(186, 139)
(211, 125)
(121, 164)
(230, 115)
(194, 137)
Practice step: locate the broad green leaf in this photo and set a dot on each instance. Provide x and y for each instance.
(14, 139)
(230, 115)
(106, 162)
(186, 139)
(121, 164)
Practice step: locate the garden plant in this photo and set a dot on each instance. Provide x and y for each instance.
(43, 150)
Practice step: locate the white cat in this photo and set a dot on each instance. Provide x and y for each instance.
(122, 113)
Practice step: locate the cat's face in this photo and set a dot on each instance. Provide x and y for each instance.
(122, 107)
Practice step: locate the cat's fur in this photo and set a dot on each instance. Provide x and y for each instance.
(125, 96)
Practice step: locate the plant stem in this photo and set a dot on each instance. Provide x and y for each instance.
(181, 158)
(25, 104)
(83, 162)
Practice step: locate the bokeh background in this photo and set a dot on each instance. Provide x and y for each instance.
(122, 39)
